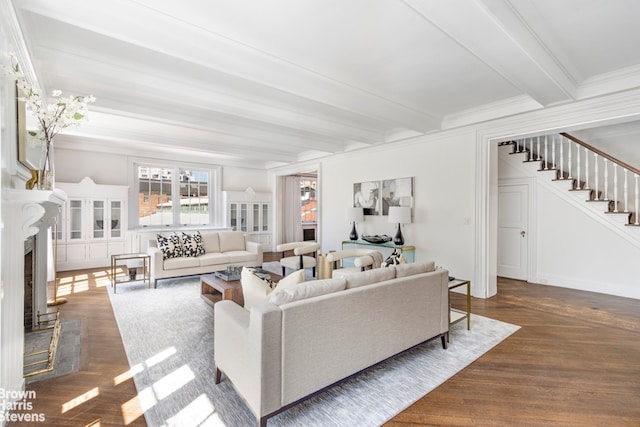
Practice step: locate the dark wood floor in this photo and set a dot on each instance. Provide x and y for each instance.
(574, 362)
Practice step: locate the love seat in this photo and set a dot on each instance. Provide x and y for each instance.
(315, 334)
(192, 253)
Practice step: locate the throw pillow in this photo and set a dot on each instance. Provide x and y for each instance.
(290, 281)
(192, 244)
(306, 290)
(254, 289)
(369, 277)
(170, 246)
(257, 290)
(414, 268)
(394, 259)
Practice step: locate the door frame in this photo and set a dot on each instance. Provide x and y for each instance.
(532, 220)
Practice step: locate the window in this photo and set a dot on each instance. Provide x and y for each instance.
(173, 196)
(308, 200)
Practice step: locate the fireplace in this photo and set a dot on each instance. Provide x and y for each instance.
(29, 278)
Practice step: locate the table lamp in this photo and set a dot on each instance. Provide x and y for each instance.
(399, 215)
(354, 215)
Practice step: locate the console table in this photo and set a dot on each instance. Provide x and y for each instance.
(146, 266)
(408, 252)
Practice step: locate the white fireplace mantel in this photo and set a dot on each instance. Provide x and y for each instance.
(35, 209)
(25, 213)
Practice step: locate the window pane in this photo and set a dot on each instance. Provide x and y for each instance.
(155, 198)
(308, 200)
(194, 197)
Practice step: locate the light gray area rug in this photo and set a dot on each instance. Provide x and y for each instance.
(168, 336)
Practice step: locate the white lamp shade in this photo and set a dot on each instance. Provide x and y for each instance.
(400, 214)
(355, 215)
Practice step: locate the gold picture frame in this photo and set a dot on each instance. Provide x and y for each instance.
(22, 135)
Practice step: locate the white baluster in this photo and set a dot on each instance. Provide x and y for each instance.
(578, 183)
(606, 180)
(546, 156)
(637, 203)
(595, 160)
(569, 168)
(561, 158)
(626, 191)
(615, 187)
(538, 152)
(586, 168)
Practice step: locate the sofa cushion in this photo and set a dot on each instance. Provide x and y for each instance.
(171, 246)
(306, 290)
(369, 277)
(257, 290)
(231, 241)
(240, 256)
(211, 242)
(180, 262)
(410, 269)
(192, 244)
(213, 258)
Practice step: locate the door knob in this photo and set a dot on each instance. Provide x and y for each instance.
(522, 233)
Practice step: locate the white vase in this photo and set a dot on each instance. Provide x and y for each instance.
(46, 175)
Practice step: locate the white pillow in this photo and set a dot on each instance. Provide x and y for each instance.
(254, 289)
(307, 290)
(257, 291)
(369, 277)
(403, 270)
(290, 281)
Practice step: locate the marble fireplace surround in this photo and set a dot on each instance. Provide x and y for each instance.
(26, 213)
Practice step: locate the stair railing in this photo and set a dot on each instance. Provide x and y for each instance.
(587, 167)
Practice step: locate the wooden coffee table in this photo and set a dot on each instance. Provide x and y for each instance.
(214, 288)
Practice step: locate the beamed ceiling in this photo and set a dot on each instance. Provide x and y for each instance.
(267, 83)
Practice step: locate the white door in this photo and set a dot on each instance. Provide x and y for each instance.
(513, 226)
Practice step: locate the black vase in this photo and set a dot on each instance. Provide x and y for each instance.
(354, 234)
(398, 239)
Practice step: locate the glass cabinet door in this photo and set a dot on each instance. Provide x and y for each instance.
(255, 224)
(116, 218)
(243, 217)
(98, 219)
(233, 216)
(75, 220)
(265, 217)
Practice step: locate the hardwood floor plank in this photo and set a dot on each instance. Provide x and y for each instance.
(574, 362)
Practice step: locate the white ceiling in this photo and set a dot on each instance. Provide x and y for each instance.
(266, 83)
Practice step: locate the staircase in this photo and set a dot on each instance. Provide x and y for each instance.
(608, 186)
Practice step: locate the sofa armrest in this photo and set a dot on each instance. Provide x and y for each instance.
(157, 261)
(248, 350)
(256, 248)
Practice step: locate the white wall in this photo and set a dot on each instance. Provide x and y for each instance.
(444, 170)
(72, 166)
(111, 169)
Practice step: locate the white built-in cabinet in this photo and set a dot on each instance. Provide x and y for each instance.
(91, 226)
(250, 212)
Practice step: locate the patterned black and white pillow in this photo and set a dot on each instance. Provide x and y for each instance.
(171, 246)
(394, 259)
(192, 244)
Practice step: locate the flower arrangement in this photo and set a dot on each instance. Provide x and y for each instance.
(52, 117)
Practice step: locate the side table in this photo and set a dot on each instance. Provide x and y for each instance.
(146, 265)
(456, 315)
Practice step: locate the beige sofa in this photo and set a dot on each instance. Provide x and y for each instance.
(221, 249)
(313, 335)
